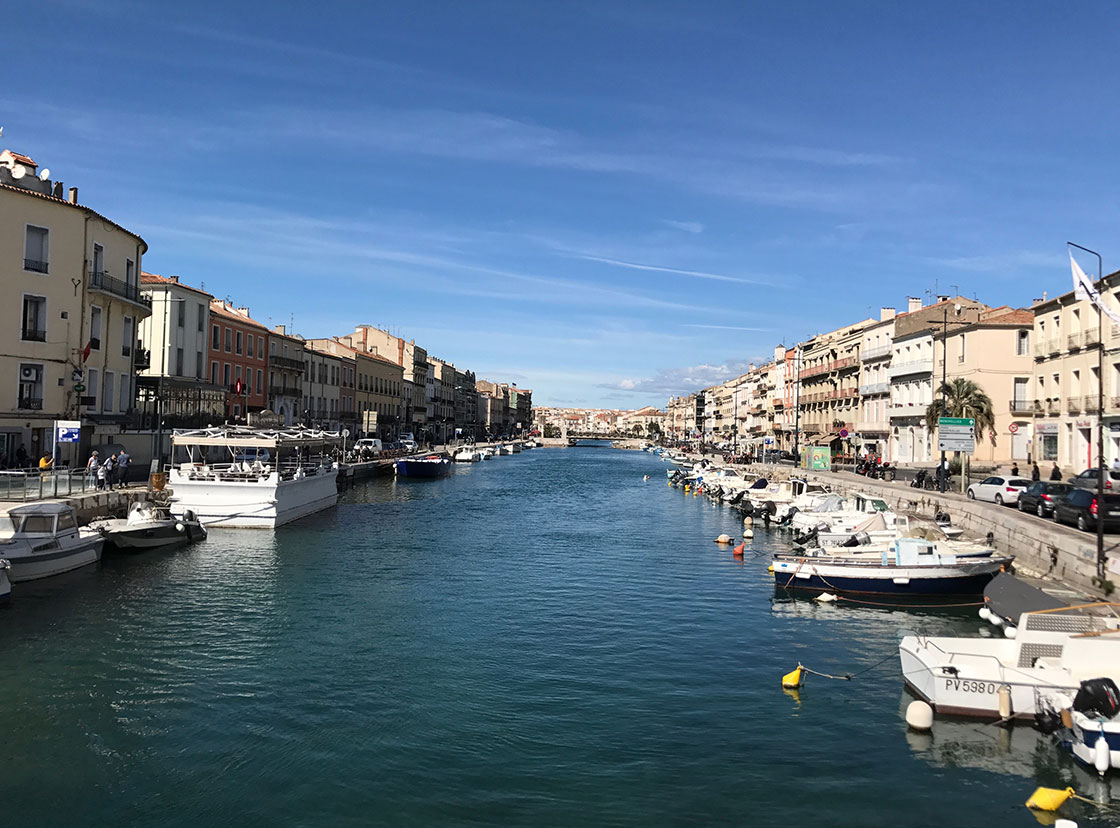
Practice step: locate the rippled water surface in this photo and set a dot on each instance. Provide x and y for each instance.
(543, 638)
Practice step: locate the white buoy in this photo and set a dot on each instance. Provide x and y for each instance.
(748, 521)
(1102, 760)
(984, 613)
(1065, 823)
(722, 539)
(919, 715)
(748, 533)
(825, 598)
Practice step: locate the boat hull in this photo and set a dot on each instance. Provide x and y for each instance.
(423, 469)
(5, 584)
(165, 533)
(1086, 732)
(254, 504)
(31, 565)
(862, 578)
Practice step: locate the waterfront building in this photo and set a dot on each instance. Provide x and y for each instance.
(994, 352)
(466, 405)
(413, 360)
(647, 421)
(873, 425)
(173, 375)
(493, 407)
(1067, 338)
(521, 408)
(238, 357)
(74, 276)
(829, 397)
(322, 389)
(384, 380)
(786, 406)
(912, 381)
(440, 399)
(285, 375)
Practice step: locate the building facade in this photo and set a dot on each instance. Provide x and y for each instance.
(238, 355)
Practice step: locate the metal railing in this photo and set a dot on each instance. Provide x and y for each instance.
(1091, 336)
(31, 484)
(1024, 406)
(285, 362)
(875, 388)
(1090, 404)
(35, 265)
(34, 335)
(1073, 341)
(875, 353)
(1073, 405)
(30, 403)
(101, 280)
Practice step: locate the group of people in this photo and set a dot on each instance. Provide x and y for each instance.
(1036, 472)
(112, 470)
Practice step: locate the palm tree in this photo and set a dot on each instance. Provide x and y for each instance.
(964, 398)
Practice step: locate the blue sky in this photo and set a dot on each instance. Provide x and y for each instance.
(605, 202)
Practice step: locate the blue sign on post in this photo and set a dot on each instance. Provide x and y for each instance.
(67, 431)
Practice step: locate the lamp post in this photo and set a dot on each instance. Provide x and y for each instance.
(941, 470)
(1100, 416)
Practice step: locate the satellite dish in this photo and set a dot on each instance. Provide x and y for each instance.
(45, 174)
(19, 171)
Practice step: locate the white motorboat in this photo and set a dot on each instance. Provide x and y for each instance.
(503, 449)
(5, 583)
(150, 526)
(239, 478)
(844, 514)
(779, 498)
(43, 539)
(1049, 652)
(467, 455)
(515, 447)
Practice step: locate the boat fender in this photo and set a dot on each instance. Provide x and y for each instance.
(1004, 697)
(984, 613)
(179, 527)
(1049, 799)
(919, 715)
(1102, 759)
(826, 598)
(1010, 632)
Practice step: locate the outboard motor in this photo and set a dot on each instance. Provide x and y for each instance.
(1098, 698)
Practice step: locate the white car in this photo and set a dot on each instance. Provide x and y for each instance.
(999, 490)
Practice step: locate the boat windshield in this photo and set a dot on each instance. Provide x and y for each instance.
(35, 524)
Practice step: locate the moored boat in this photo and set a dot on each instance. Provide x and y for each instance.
(5, 584)
(241, 478)
(43, 539)
(467, 455)
(150, 526)
(423, 467)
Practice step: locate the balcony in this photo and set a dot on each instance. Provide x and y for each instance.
(284, 391)
(285, 362)
(1025, 407)
(30, 403)
(916, 366)
(874, 388)
(873, 427)
(1091, 337)
(34, 335)
(34, 265)
(1073, 342)
(843, 364)
(1051, 408)
(1041, 349)
(1054, 346)
(143, 359)
(102, 281)
(877, 352)
(1090, 404)
(1073, 405)
(907, 410)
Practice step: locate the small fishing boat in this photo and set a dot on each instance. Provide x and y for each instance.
(911, 567)
(1095, 725)
(515, 448)
(503, 449)
(150, 526)
(43, 539)
(467, 455)
(5, 584)
(423, 467)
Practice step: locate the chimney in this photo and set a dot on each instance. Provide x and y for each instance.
(58, 191)
(1043, 296)
(885, 314)
(942, 298)
(913, 303)
(280, 329)
(175, 279)
(73, 195)
(243, 311)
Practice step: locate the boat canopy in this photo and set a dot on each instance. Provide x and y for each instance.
(255, 437)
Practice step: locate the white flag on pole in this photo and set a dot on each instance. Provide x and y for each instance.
(1083, 288)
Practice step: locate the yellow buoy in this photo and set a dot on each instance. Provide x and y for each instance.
(793, 679)
(770, 568)
(1048, 799)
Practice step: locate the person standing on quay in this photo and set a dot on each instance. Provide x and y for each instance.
(101, 473)
(1056, 473)
(91, 468)
(123, 460)
(1035, 473)
(109, 466)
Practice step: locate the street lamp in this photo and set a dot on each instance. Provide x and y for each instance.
(943, 482)
(1100, 416)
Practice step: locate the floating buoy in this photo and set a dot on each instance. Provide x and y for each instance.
(739, 550)
(748, 520)
(792, 680)
(644, 479)
(1003, 696)
(723, 540)
(1049, 799)
(770, 568)
(748, 533)
(826, 598)
(1065, 823)
(1101, 758)
(919, 715)
(687, 488)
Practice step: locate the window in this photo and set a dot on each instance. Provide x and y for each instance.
(215, 338)
(178, 362)
(107, 397)
(229, 340)
(198, 364)
(98, 266)
(127, 337)
(130, 272)
(31, 386)
(237, 373)
(214, 373)
(34, 319)
(95, 328)
(201, 317)
(260, 381)
(1020, 392)
(35, 249)
(91, 389)
(181, 314)
(225, 374)
(961, 359)
(260, 347)
(250, 346)
(239, 342)
(126, 395)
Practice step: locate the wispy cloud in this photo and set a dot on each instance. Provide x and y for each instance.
(1005, 262)
(729, 328)
(673, 381)
(694, 227)
(699, 274)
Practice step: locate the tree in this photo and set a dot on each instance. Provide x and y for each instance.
(964, 398)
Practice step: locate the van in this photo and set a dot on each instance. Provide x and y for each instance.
(369, 444)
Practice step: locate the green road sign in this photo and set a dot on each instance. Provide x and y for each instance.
(956, 421)
(79, 388)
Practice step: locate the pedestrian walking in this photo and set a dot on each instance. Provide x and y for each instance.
(1035, 473)
(110, 467)
(91, 468)
(1014, 469)
(1055, 473)
(123, 461)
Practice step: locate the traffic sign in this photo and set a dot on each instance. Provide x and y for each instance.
(79, 388)
(956, 434)
(843, 432)
(1013, 427)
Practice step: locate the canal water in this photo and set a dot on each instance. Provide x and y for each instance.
(537, 639)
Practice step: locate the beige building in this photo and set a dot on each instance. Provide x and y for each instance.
(322, 388)
(995, 353)
(74, 275)
(285, 375)
(830, 377)
(1067, 338)
(873, 425)
(414, 369)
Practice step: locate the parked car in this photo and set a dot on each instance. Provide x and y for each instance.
(999, 490)
(1088, 480)
(369, 445)
(1081, 509)
(1040, 497)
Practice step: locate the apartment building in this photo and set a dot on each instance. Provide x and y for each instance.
(873, 425)
(493, 408)
(413, 360)
(238, 357)
(322, 388)
(172, 358)
(440, 399)
(74, 276)
(521, 408)
(829, 397)
(285, 375)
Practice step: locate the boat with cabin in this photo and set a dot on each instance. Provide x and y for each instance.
(150, 525)
(43, 539)
(423, 467)
(467, 455)
(245, 478)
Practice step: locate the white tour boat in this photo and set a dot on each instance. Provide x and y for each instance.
(241, 478)
(43, 539)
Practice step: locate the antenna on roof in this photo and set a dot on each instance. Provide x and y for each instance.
(45, 174)
(19, 171)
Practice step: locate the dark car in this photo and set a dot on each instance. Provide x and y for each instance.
(1040, 497)
(1088, 480)
(1080, 508)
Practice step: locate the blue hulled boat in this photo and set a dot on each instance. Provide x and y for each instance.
(430, 466)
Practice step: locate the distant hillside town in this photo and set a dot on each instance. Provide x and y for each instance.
(645, 422)
(105, 348)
